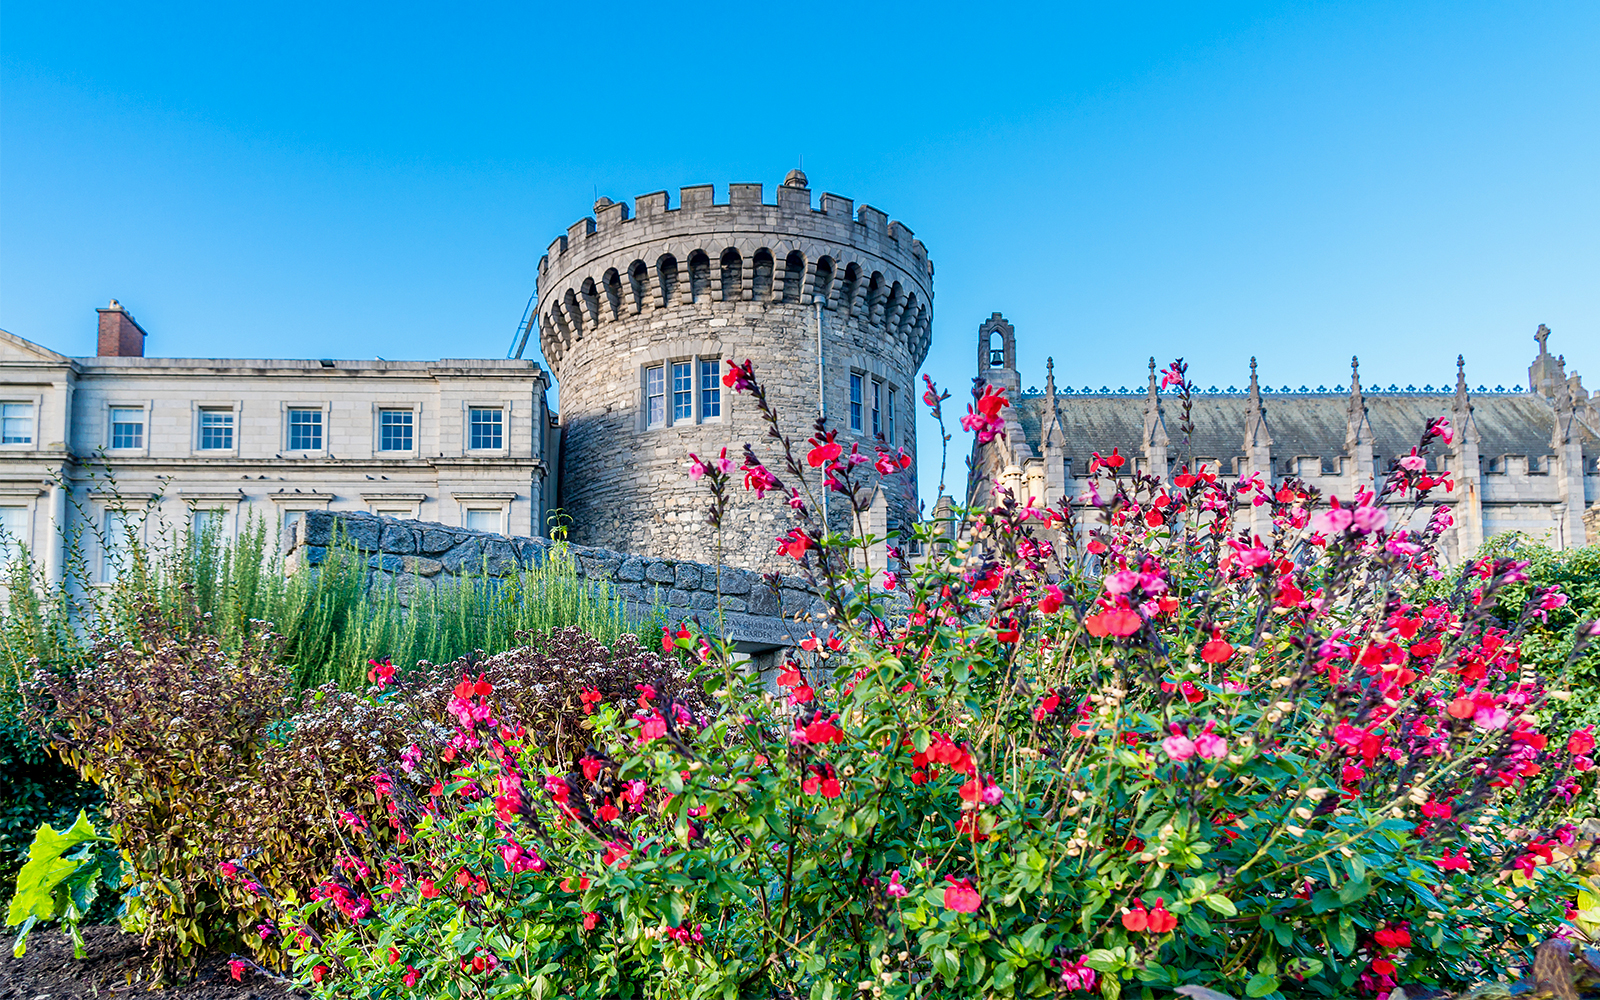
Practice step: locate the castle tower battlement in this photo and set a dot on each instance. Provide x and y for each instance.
(639, 312)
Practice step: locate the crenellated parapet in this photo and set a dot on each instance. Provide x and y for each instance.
(616, 264)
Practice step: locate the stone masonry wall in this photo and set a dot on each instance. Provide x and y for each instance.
(419, 553)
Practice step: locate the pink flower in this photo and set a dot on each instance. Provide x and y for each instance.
(1210, 746)
(1077, 975)
(697, 468)
(1413, 462)
(960, 896)
(1331, 522)
(237, 967)
(1370, 519)
(1178, 747)
(894, 889)
(1121, 581)
(412, 976)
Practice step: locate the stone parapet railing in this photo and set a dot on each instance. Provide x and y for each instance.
(758, 618)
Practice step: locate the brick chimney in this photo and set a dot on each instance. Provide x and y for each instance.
(120, 336)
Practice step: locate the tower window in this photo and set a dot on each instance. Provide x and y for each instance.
(655, 403)
(682, 391)
(855, 401)
(877, 408)
(891, 414)
(710, 390)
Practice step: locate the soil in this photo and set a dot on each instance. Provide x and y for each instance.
(49, 972)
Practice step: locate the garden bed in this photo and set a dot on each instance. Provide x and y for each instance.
(48, 970)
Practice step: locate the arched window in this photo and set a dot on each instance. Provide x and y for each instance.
(732, 275)
(794, 275)
(997, 349)
(761, 275)
(667, 274)
(824, 283)
(699, 276)
(638, 283)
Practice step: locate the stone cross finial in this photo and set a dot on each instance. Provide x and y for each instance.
(1050, 379)
(1542, 335)
(1461, 374)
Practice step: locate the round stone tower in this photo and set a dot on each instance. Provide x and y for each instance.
(639, 313)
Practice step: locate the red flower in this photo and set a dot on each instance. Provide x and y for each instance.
(824, 450)
(1050, 603)
(590, 698)
(960, 896)
(1137, 918)
(318, 972)
(1112, 461)
(1383, 967)
(1045, 707)
(1393, 937)
(1457, 862)
(794, 544)
(1581, 741)
(1217, 650)
(381, 673)
(590, 919)
(1160, 920)
(1117, 621)
(237, 967)
(428, 889)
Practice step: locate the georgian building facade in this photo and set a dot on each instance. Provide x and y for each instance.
(92, 444)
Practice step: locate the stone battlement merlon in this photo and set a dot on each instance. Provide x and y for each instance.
(699, 212)
(849, 260)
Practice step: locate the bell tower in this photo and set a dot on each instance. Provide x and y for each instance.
(997, 354)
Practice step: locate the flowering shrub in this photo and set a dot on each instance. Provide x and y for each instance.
(1125, 744)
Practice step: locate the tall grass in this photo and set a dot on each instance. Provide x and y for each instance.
(334, 616)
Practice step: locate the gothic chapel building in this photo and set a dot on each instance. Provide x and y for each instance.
(1523, 459)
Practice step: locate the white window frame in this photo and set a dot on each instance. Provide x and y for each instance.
(392, 504)
(36, 402)
(285, 414)
(109, 410)
(467, 501)
(702, 390)
(198, 407)
(857, 401)
(877, 408)
(378, 410)
(504, 406)
(889, 414)
(698, 394)
(11, 545)
(645, 395)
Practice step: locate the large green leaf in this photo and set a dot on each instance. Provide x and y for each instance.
(46, 869)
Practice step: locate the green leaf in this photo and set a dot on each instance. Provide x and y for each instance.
(1222, 904)
(21, 944)
(46, 869)
(1352, 891)
(1260, 985)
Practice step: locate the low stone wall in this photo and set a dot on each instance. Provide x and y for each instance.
(759, 619)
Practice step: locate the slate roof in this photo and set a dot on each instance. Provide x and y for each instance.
(1300, 424)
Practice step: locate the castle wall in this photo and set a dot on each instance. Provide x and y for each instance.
(620, 297)
(419, 554)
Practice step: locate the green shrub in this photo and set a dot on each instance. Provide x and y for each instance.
(1154, 754)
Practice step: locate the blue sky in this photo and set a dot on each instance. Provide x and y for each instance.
(1297, 181)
